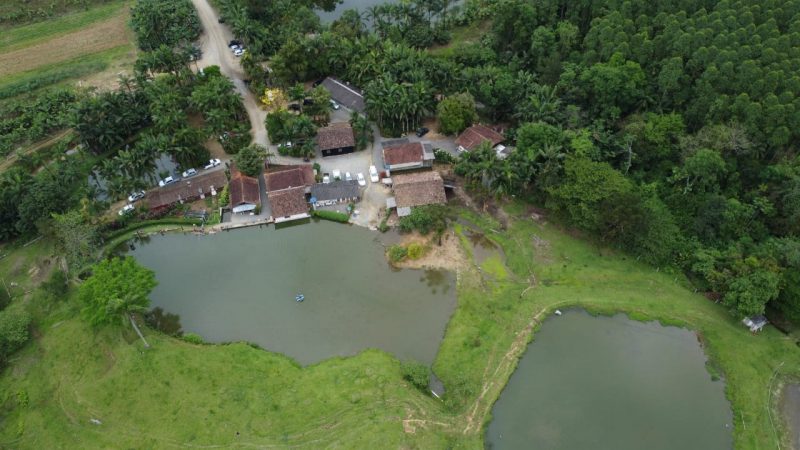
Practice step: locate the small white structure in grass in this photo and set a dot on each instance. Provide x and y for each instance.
(755, 323)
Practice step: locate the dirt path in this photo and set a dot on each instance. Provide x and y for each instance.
(214, 43)
(12, 157)
(101, 36)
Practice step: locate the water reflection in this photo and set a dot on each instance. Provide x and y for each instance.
(165, 322)
(436, 279)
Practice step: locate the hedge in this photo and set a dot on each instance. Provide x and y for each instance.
(146, 223)
(334, 216)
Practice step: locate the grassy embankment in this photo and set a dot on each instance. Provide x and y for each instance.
(180, 394)
(67, 48)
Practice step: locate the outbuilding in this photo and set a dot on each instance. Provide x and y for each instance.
(476, 135)
(288, 205)
(345, 94)
(417, 189)
(185, 190)
(335, 192)
(244, 192)
(336, 139)
(407, 156)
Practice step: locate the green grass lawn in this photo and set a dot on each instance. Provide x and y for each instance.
(466, 34)
(51, 74)
(27, 35)
(180, 394)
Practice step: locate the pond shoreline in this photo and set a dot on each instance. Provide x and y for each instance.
(604, 358)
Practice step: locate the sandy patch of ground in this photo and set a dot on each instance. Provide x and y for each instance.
(449, 255)
(101, 36)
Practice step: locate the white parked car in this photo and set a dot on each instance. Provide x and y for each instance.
(334, 105)
(326, 179)
(126, 209)
(212, 163)
(361, 180)
(336, 174)
(238, 52)
(373, 174)
(166, 181)
(189, 173)
(348, 177)
(135, 196)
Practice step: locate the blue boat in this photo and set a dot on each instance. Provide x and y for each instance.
(299, 297)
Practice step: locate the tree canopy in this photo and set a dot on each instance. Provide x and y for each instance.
(117, 287)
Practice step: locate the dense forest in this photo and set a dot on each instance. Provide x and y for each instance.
(668, 129)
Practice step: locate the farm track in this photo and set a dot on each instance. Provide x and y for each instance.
(214, 43)
(101, 36)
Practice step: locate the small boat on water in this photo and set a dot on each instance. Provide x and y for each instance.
(299, 297)
(558, 312)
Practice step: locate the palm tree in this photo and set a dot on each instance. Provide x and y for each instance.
(128, 305)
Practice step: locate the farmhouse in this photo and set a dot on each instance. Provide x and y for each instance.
(348, 96)
(287, 177)
(244, 192)
(407, 156)
(324, 194)
(188, 189)
(417, 189)
(336, 139)
(477, 134)
(289, 204)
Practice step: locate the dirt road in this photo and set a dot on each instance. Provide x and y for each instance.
(214, 43)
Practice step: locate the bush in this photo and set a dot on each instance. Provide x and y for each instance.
(444, 157)
(225, 196)
(425, 219)
(397, 253)
(14, 334)
(416, 373)
(56, 285)
(5, 299)
(334, 216)
(193, 338)
(383, 227)
(416, 250)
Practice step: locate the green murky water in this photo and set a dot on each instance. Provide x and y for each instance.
(611, 383)
(241, 286)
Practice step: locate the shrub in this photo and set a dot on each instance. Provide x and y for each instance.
(14, 334)
(225, 196)
(397, 253)
(416, 373)
(416, 250)
(383, 227)
(56, 285)
(334, 216)
(442, 156)
(193, 338)
(425, 219)
(5, 299)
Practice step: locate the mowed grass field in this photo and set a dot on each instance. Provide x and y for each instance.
(178, 394)
(72, 46)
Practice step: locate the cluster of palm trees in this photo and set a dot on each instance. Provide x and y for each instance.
(397, 107)
(525, 168)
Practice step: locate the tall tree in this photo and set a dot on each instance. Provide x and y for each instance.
(117, 289)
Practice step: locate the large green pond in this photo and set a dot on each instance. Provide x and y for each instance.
(241, 286)
(611, 383)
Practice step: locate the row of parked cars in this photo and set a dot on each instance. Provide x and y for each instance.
(336, 174)
(188, 173)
